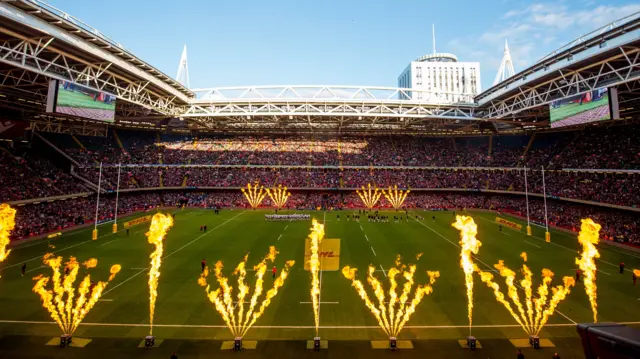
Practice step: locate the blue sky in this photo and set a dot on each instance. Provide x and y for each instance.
(300, 42)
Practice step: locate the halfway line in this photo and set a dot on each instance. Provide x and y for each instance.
(320, 303)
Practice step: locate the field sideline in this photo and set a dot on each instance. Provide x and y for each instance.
(183, 311)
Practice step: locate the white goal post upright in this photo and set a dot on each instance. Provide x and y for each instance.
(94, 234)
(115, 218)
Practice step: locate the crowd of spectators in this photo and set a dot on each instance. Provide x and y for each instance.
(621, 189)
(25, 177)
(612, 147)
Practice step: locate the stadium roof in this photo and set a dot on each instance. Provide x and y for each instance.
(39, 42)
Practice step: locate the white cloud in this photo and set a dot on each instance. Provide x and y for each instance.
(534, 31)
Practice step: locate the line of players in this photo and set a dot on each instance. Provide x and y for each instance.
(377, 218)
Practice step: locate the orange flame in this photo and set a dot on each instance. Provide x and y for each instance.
(395, 197)
(469, 245)
(316, 236)
(588, 238)
(7, 223)
(90, 263)
(254, 194)
(538, 310)
(392, 318)
(67, 305)
(160, 224)
(368, 196)
(279, 195)
(238, 321)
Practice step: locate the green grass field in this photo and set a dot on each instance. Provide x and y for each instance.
(571, 109)
(184, 313)
(80, 100)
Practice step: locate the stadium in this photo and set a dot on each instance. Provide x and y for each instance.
(144, 218)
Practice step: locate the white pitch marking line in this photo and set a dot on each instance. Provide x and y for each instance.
(383, 272)
(374, 252)
(533, 244)
(105, 243)
(172, 253)
(361, 228)
(367, 238)
(601, 271)
(485, 264)
(295, 326)
(287, 226)
(34, 269)
(320, 303)
(105, 300)
(280, 236)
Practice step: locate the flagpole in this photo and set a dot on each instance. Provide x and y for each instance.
(547, 235)
(526, 196)
(115, 219)
(94, 234)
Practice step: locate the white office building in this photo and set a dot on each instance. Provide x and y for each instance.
(441, 78)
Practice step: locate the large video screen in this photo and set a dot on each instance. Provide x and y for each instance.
(575, 110)
(76, 100)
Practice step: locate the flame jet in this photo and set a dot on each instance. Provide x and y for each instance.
(160, 224)
(316, 236)
(254, 194)
(469, 245)
(233, 314)
(66, 304)
(395, 196)
(279, 195)
(7, 223)
(588, 238)
(392, 317)
(534, 314)
(369, 196)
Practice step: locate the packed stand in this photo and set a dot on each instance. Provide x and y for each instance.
(25, 177)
